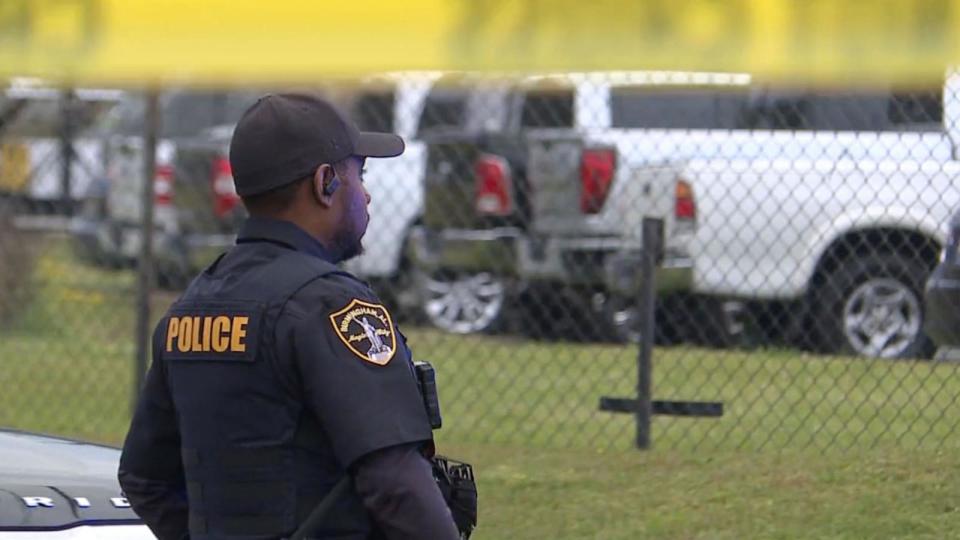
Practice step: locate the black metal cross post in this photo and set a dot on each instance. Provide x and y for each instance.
(68, 113)
(644, 406)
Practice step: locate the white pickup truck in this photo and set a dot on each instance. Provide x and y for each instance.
(825, 209)
(527, 240)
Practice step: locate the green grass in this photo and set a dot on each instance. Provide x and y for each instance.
(66, 363)
(808, 447)
(579, 494)
(499, 390)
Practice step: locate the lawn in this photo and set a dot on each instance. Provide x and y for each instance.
(808, 447)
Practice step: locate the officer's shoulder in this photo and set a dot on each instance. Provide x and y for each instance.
(340, 282)
(316, 276)
(333, 290)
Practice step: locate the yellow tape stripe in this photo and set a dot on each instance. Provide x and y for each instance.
(223, 41)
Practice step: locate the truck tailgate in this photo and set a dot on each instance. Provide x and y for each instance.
(634, 193)
(553, 172)
(449, 183)
(556, 165)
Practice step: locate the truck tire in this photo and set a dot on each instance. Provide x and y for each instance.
(555, 312)
(873, 306)
(679, 318)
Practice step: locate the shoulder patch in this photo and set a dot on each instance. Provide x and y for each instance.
(367, 331)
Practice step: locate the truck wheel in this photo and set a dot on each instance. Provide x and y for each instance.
(622, 317)
(464, 303)
(873, 307)
(679, 318)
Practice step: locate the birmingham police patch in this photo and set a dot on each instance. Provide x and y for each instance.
(367, 330)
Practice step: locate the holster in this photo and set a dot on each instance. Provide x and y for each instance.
(459, 490)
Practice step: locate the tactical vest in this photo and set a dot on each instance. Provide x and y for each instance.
(255, 461)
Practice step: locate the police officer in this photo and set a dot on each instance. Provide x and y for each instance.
(276, 373)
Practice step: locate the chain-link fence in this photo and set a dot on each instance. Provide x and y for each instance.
(799, 228)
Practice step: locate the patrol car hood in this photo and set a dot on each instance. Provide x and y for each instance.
(53, 484)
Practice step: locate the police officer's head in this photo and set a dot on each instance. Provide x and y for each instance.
(296, 157)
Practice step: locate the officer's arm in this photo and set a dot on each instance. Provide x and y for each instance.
(397, 488)
(151, 473)
(374, 417)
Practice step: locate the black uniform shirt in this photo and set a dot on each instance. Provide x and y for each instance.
(335, 353)
(340, 345)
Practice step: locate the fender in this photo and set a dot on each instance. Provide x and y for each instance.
(902, 218)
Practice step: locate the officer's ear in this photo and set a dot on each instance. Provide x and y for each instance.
(324, 184)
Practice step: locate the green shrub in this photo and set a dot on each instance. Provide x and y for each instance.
(17, 260)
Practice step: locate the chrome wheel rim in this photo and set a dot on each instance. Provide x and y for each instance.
(625, 320)
(882, 318)
(464, 304)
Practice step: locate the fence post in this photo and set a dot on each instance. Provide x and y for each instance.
(151, 132)
(652, 238)
(643, 406)
(68, 111)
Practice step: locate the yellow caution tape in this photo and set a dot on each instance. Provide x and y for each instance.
(233, 41)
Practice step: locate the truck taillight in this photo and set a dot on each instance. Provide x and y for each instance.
(597, 167)
(494, 186)
(684, 206)
(225, 197)
(163, 185)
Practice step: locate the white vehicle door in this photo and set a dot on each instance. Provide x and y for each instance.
(395, 184)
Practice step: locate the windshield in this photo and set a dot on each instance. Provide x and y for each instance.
(742, 107)
(444, 109)
(547, 109)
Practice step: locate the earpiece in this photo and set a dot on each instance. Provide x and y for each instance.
(329, 188)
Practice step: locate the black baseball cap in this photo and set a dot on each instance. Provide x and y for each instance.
(285, 137)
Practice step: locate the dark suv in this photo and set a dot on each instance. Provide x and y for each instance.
(943, 293)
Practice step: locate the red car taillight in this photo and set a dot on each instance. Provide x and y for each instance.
(684, 206)
(163, 185)
(225, 197)
(494, 186)
(597, 167)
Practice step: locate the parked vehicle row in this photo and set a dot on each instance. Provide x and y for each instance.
(196, 208)
(195, 205)
(825, 208)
